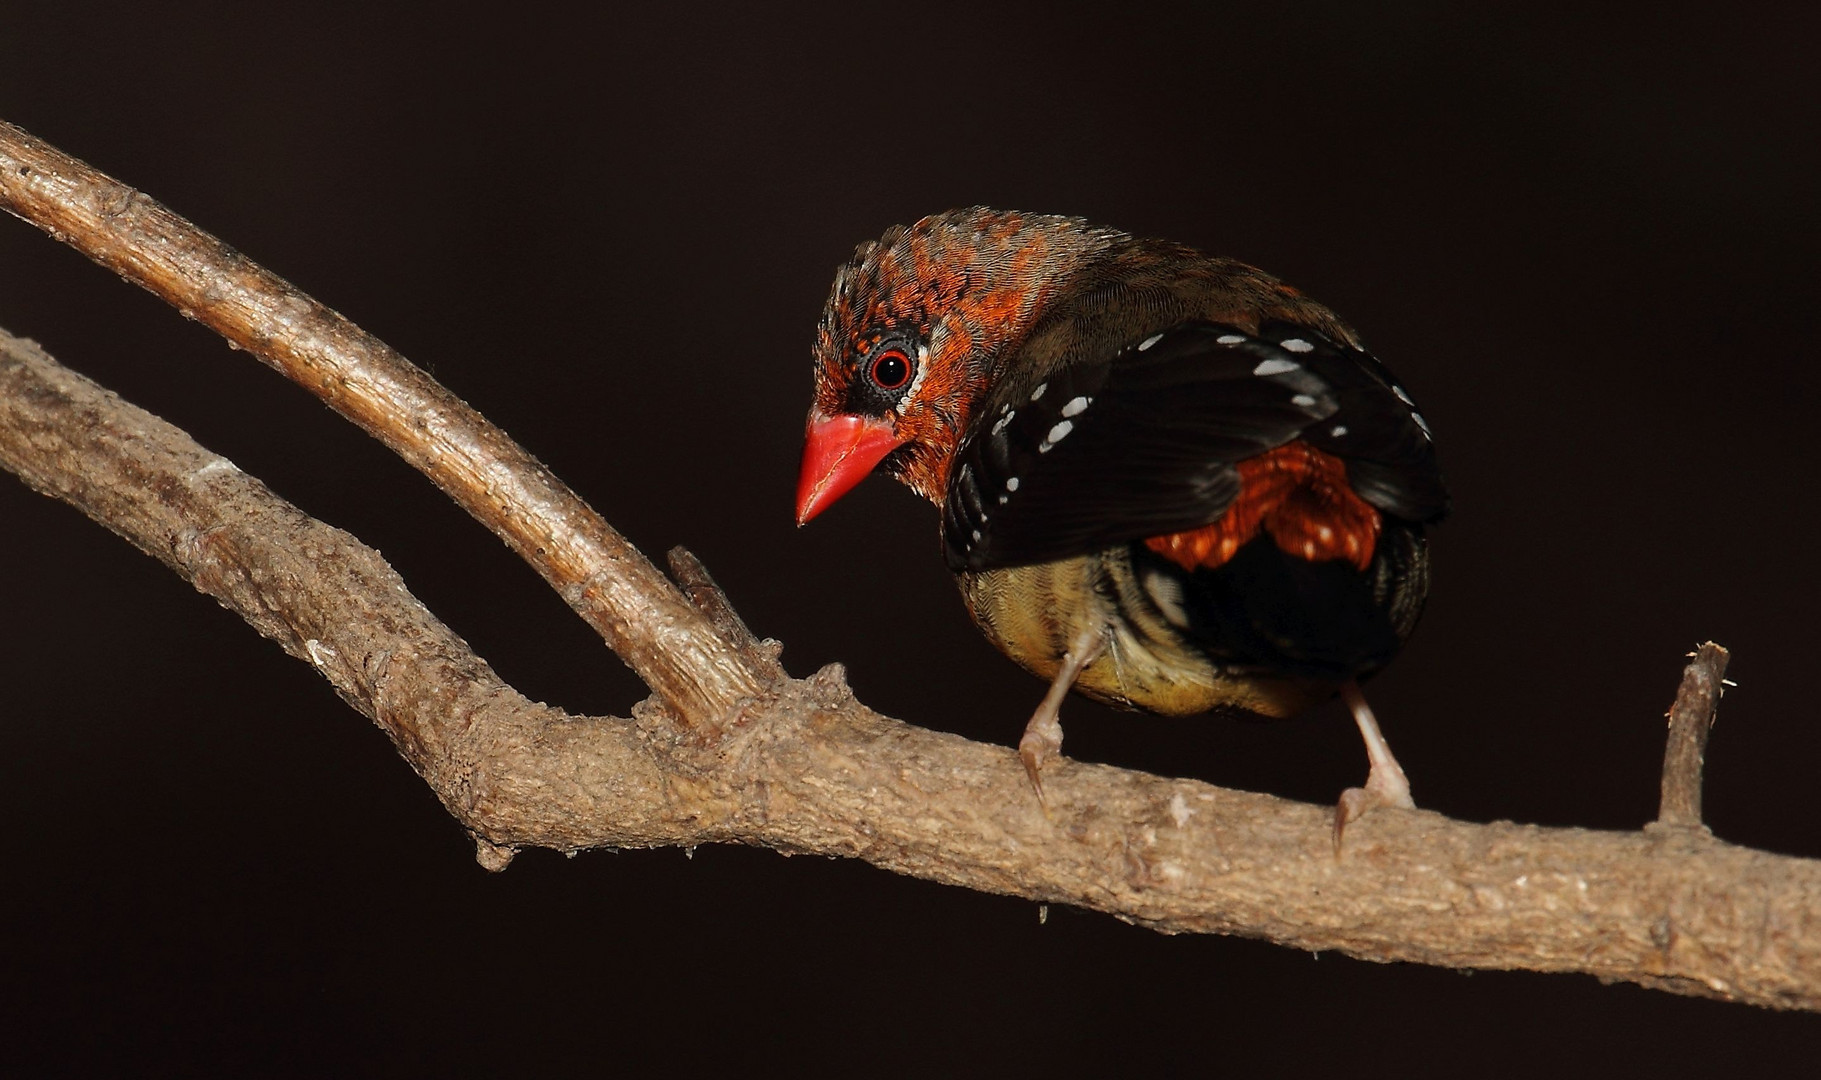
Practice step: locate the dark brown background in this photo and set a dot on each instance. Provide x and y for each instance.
(1589, 245)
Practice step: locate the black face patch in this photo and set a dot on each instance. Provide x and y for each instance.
(881, 377)
(1145, 442)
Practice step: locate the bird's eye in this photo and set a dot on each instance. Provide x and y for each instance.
(891, 370)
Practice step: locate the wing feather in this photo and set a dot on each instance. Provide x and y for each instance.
(1145, 442)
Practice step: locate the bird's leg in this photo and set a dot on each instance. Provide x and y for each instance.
(1043, 735)
(1386, 784)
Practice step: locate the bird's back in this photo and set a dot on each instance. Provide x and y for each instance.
(1204, 459)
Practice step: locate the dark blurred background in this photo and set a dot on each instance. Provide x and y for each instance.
(1587, 241)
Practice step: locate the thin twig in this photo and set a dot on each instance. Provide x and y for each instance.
(701, 589)
(605, 579)
(1690, 719)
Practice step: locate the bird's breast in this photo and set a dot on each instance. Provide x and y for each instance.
(1032, 614)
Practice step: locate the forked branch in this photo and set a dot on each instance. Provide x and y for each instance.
(731, 750)
(604, 578)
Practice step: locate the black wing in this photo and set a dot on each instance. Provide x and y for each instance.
(1145, 442)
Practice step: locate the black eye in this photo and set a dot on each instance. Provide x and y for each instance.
(891, 370)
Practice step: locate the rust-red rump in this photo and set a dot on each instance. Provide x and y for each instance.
(1298, 495)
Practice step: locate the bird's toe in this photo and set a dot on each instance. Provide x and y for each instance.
(1384, 787)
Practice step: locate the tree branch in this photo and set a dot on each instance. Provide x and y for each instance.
(605, 579)
(799, 765)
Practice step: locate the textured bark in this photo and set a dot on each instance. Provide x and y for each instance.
(806, 768)
(729, 749)
(1690, 720)
(604, 578)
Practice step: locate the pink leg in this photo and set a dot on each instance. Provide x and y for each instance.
(1043, 735)
(1386, 784)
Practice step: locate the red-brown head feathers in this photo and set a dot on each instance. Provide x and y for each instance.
(915, 324)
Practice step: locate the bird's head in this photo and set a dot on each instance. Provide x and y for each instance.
(913, 333)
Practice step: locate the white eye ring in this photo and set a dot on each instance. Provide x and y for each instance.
(916, 383)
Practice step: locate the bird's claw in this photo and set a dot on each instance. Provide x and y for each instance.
(1386, 784)
(1042, 740)
(1043, 735)
(1384, 787)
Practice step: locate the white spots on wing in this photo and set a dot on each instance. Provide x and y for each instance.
(1006, 408)
(1037, 393)
(999, 425)
(1422, 425)
(1339, 430)
(1230, 339)
(1077, 406)
(1150, 341)
(1003, 499)
(976, 535)
(1056, 435)
(1297, 345)
(1276, 366)
(1011, 483)
(1325, 532)
(1302, 401)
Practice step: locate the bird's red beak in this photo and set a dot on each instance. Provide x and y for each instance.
(838, 453)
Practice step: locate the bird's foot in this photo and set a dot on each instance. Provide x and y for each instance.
(1380, 790)
(1042, 741)
(1043, 735)
(1386, 784)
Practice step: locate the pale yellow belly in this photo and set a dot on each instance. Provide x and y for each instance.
(1032, 613)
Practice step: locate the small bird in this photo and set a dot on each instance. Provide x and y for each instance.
(1166, 480)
